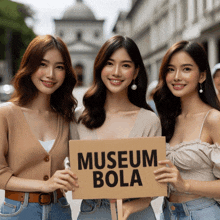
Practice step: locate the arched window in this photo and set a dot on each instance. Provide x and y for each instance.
(61, 34)
(80, 74)
(79, 35)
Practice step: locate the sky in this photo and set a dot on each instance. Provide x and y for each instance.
(47, 10)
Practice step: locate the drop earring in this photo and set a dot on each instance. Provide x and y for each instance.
(134, 86)
(200, 90)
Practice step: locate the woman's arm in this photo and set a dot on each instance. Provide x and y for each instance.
(170, 174)
(62, 179)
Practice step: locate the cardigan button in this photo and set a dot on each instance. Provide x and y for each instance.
(46, 177)
(46, 159)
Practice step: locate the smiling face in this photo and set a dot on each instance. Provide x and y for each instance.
(51, 73)
(216, 80)
(118, 72)
(183, 75)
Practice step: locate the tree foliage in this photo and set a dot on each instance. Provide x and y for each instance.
(12, 23)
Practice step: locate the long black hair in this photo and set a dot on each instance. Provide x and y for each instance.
(168, 105)
(94, 99)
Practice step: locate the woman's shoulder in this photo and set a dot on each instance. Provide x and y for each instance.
(6, 107)
(149, 115)
(213, 118)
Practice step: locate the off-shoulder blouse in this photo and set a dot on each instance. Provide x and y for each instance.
(195, 159)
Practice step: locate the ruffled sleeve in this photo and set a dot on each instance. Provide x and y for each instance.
(213, 152)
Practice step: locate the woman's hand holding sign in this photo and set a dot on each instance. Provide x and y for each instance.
(170, 174)
(62, 179)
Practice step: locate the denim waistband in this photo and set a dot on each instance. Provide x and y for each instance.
(191, 205)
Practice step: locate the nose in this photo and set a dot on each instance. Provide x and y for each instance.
(117, 71)
(178, 75)
(50, 72)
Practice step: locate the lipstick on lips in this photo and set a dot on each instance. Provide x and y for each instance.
(178, 86)
(48, 84)
(115, 82)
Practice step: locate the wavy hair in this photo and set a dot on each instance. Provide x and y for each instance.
(168, 105)
(94, 114)
(62, 100)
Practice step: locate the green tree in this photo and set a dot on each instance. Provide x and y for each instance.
(15, 35)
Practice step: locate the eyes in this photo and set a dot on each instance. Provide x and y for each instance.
(172, 69)
(58, 66)
(126, 65)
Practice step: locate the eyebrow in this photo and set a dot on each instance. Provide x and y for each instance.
(123, 61)
(181, 65)
(49, 61)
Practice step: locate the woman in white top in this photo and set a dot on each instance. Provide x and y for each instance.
(189, 111)
(115, 107)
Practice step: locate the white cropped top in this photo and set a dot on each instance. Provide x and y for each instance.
(47, 145)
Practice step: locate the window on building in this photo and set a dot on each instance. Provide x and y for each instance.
(149, 74)
(204, 5)
(195, 10)
(218, 50)
(79, 35)
(61, 34)
(96, 34)
(80, 74)
(184, 7)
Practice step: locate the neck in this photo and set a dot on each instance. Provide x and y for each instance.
(117, 102)
(40, 103)
(192, 104)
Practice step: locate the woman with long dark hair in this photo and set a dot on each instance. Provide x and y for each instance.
(115, 107)
(34, 127)
(189, 111)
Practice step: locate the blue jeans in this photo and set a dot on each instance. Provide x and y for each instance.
(198, 209)
(15, 210)
(100, 210)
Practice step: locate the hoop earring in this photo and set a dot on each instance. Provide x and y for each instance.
(134, 86)
(200, 90)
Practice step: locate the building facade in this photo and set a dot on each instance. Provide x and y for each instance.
(83, 34)
(156, 24)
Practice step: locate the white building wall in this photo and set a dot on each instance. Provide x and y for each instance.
(156, 24)
(88, 30)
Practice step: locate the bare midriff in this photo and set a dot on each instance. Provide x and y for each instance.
(182, 197)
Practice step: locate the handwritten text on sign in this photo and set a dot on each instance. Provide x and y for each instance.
(121, 168)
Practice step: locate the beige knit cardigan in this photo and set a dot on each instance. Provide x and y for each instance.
(21, 154)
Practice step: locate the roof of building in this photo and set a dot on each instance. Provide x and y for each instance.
(79, 11)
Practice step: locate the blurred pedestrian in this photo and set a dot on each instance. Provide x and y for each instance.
(34, 128)
(115, 107)
(190, 118)
(216, 78)
(150, 93)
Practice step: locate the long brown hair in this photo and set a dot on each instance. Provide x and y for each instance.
(168, 105)
(94, 99)
(62, 100)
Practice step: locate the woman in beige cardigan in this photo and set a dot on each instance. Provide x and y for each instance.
(34, 129)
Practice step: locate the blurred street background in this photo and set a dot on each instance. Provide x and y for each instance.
(84, 25)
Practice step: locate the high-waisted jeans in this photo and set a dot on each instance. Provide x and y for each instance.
(100, 210)
(15, 210)
(198, 209)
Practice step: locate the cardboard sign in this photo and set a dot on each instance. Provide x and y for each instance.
(119, 168)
